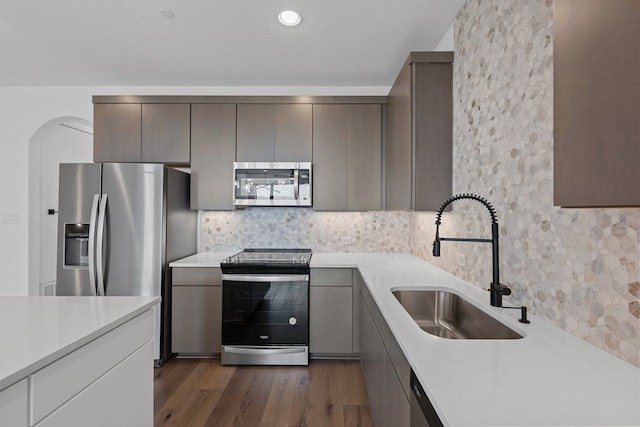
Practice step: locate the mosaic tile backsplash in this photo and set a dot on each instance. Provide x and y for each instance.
(305, 228)
(578, 268)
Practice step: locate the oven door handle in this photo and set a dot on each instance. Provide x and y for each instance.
(254, 350)
(265, 278)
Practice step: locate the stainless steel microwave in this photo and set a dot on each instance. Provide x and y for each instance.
(272, 184)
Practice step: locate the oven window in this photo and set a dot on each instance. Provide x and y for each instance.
(265, 313)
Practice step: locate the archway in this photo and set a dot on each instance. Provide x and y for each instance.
(60, 140)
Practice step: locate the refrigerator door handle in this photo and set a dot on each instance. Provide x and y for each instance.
(92, 244)
(100, 244)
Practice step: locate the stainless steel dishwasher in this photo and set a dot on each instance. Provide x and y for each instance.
(422, 412)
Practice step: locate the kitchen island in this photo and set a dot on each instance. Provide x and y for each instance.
(64, 357)
(549, 377)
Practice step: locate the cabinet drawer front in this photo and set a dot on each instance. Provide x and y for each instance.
(58, 382)
(13, 405)
(122, 397)
(197, 276)
(330, 277)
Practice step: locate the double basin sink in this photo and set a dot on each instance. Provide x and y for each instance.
(448, 315)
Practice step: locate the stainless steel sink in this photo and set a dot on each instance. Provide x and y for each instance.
(448, 315)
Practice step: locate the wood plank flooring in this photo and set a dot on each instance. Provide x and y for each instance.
(202, 392)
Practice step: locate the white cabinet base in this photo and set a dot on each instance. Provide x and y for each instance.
(121, 397)
(13, 405)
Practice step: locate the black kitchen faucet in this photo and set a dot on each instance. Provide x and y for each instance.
(496, 290)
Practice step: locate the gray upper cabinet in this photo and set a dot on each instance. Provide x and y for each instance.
(364, 156)
(256, 133)
(166, 133)
(147, 133)
(419, 133)
(347, 146)
(293, 132)
(117, 132)
(213, 151)
(329, 157)
(274, 132)
(596, 74)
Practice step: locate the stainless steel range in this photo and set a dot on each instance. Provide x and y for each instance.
(265, 307)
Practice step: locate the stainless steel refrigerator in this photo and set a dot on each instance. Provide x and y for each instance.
(119, 227)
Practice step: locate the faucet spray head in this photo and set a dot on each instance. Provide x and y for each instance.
(436, 242)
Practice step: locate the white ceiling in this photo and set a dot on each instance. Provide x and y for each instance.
(214, 42)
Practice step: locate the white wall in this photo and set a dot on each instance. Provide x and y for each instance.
(24, 109)
(447, 42)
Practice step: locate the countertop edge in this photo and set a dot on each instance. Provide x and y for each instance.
(33, 367)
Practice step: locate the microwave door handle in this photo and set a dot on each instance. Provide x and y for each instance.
(93, 225)
(100, 245)
(296, 173)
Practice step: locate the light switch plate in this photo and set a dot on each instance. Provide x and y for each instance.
(10, 218)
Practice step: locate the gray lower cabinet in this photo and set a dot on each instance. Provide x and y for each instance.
(274, 133)
(347, 162)
(196, 323)
(213, 151)
(332, 320)
(382, 368)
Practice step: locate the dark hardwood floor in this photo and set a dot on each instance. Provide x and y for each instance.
(202, 392)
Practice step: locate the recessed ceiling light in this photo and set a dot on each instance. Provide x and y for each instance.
(167, 13)
(289, 18)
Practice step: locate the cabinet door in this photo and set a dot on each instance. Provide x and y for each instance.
(596, 99)
(13, 405)
(397, 410)
(329, 157)
(433, 132)
(255, 133)
(121, 397)
(398, 144)
(364, 157)
(117, 132)
(419, 135)
(166, 133)
(213, 151)
(293, 132)
(356, 283)
(330, 320)
(196, 324)
(377, 355)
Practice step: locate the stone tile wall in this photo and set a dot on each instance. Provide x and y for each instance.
(578, 268)
(294, 227)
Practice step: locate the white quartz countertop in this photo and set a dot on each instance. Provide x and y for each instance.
(36, 331)
(202, 259)
(547, 378)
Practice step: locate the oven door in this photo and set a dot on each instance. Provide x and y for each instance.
(265, 310)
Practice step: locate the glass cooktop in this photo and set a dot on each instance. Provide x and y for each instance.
(270, 256)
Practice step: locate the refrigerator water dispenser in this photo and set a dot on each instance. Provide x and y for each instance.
(76, 245)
